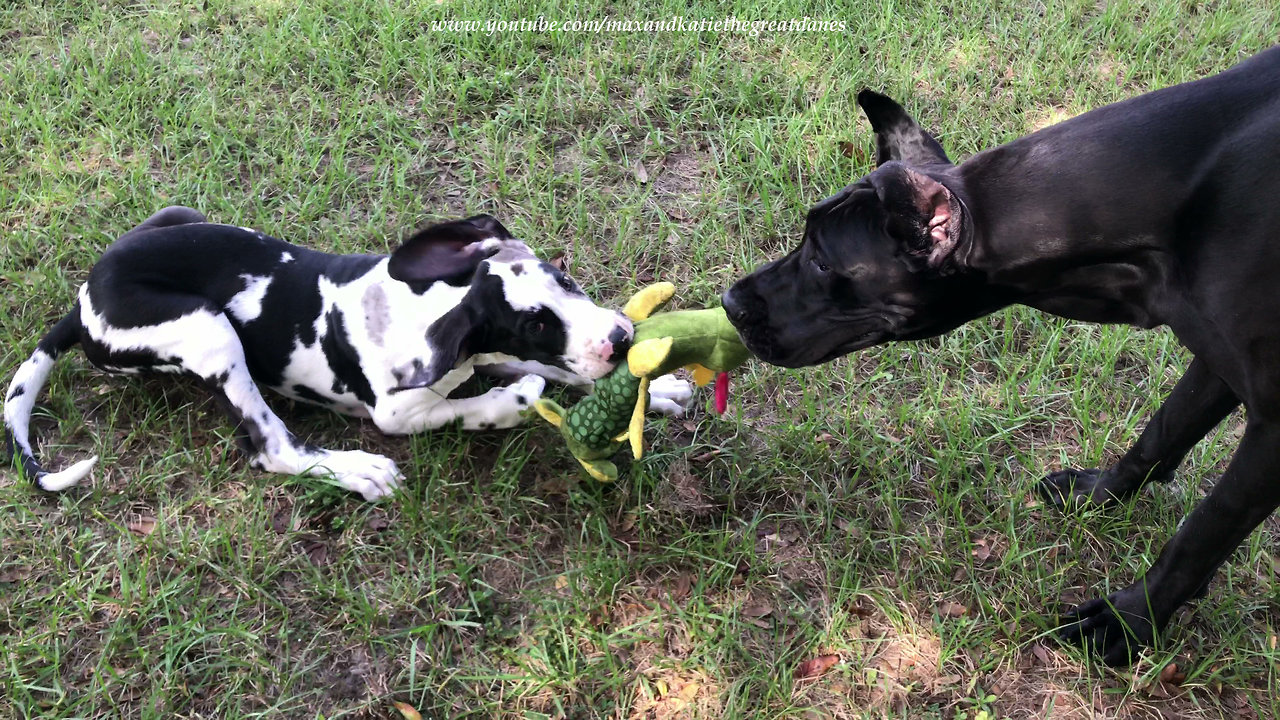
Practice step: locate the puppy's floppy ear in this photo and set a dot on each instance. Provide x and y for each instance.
(449, 338)
(921, 212)
(898, 137)
(447, 251)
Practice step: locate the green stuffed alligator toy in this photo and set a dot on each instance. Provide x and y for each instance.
(701, 340)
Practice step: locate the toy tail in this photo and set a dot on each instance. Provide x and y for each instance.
(722, 393)
(21, 398)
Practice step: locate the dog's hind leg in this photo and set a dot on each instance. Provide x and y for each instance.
(203, 343)
(1119, 625)
(1197, 404)
(172, 215)
(21, 398)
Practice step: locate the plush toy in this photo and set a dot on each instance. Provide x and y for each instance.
(701, 340)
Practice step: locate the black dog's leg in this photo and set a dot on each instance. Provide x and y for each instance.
(1120, 625)
(1197, 404)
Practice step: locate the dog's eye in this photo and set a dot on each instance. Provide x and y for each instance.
(567, 284)
(822, 267)
(533, 322)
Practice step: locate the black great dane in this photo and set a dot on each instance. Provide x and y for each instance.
(1160, 210)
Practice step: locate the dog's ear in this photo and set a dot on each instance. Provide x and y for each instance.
(898, 137)
(449, 338)
(921, 212)
(447, 251)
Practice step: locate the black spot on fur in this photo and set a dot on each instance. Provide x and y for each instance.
(305, 393)
(517, 269)
(522, 400)
(16, 392)
(343, 359)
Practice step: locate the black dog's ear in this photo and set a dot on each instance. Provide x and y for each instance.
(449, 338)
(898, 137)
(921, 212)
(447, 251)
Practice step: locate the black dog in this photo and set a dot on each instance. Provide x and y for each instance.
(1160, 210)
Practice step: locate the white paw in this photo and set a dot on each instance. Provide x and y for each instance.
(507, 406)
(373, 476)
(669, 395)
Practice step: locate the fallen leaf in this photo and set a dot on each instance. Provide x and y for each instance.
(847, 148)
(628, 521)
(1171, 675)
(689, 692)
(408, 711)
(562, 582)
(756, 611)
(1041, 653)
(981, 550)
(317, 553)
(14, 573)
(144, 525)
(642, 175)
(682, 586)
(952, 609)
(810, 669)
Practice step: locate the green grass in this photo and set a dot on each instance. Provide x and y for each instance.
(835, 510)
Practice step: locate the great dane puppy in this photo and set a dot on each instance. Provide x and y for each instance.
(375, 336)
(1160, 210)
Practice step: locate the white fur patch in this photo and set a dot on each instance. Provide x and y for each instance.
(286, 257)
(31, 375)
(246, 305)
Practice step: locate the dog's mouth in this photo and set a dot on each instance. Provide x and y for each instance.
(813, 350)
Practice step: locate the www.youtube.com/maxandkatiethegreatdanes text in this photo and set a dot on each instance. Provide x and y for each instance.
(676, 24)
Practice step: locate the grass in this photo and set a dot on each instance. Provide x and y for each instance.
(879, 508)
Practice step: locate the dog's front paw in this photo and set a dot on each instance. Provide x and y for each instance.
(507, 407)
(1075, 488)
(373, 476)
(669, 395)
(1116, 627)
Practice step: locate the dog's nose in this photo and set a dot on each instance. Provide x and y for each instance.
(620, 339)
(732, 307)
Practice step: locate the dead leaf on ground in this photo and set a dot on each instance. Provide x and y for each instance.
(642, 175)
(144, 525)
(848, 149)
(628, 521)
(815, 667)
(756, 611)
(407, 711)
(951, 609)
(1171, 675)
(981, 550)
(14, 573)
(682, 586)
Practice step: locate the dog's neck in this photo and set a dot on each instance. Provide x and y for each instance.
(1088, 256)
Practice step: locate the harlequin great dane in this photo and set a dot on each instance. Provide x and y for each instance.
(382, 337)
(1159, 210)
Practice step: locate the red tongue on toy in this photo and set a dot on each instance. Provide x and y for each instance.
(722, 393)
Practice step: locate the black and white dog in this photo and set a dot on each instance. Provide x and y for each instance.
(376, 336)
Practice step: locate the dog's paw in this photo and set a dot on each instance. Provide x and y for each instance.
(373, 476)
(507, 407)
(1116, 628)
(1076, 488)
(669, 395)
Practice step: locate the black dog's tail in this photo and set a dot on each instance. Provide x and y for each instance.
(21, 398)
